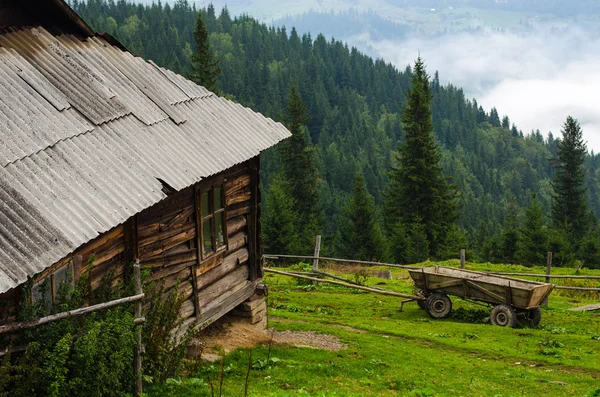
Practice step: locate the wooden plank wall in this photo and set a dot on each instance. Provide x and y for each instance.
(164, 238)
(103, 256)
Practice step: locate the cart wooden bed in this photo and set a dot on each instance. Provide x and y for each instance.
(511, 297)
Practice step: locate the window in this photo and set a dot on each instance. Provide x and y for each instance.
(49, 288)
(214, 234)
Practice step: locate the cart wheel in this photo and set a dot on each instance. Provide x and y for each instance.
(438, 305)
(504, 316)
(535, 317)
(422, 304)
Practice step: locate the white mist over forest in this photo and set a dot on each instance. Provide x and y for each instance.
(537, 79)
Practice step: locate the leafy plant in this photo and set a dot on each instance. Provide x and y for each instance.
(361, 276)
(304, 268)
(164, 353)
(551, 343)
(266, 363)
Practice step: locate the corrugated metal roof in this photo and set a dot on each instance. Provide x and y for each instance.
(86, 130)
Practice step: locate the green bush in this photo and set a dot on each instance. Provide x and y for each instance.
(91, 355)
(98, 361)
(163, 354)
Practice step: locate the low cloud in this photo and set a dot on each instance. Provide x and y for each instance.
(536, 79)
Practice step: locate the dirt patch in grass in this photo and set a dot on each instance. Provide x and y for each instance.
(224, 337)
(307, 339)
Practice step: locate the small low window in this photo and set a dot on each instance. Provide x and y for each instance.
(214, 233)
(53, 285)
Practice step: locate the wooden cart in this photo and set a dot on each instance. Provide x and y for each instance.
(511, 297)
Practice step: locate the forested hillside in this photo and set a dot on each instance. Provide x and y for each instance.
(354, 103)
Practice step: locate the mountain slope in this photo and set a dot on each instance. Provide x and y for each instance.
(355, 103)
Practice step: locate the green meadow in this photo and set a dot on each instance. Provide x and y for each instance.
(392, 353)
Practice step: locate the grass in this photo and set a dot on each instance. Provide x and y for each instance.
(407, 354)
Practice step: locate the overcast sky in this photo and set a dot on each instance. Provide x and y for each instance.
(537, 80)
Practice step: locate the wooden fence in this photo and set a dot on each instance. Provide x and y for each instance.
(547, 276)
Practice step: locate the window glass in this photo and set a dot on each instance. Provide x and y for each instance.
(218, 198)
(205, 204)
(207, 236)
(42, 290)
(214, 226)
(220, 229)
(54, 285)
(63, 278)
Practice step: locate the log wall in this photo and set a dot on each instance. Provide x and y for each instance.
(166, 241)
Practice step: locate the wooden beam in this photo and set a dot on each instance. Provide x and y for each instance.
(446, 284)
(376, 291)
(197, 216)
(317, 252)
(72, 313)
(253, 257)
(323, 258)
(137, 279)
(496, 297)
(587, 308)
(218, 309)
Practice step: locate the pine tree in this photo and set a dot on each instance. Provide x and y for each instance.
(417, 188)
(279, 218)
(298, 168)
(569, 207)
(533, 244)
(494, 118)
(510, 232)
(360, 235)
(409, 242)
(205, 69)
(589, 249)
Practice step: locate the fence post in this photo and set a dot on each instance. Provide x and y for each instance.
(462, 258)
(315, 267)
(138, 331)
(548, 271)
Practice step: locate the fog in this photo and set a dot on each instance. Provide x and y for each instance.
(537, 80)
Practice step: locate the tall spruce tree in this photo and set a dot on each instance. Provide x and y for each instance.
(533, 244)
(298, 168)
(569, 207)
(360, 235)
(510, 231)
(409, 242)
(205, 69)
(279, 218)
(418, 190)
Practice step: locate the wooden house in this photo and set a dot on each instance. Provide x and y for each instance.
(106, 158)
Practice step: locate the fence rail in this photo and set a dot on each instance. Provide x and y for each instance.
(324, 258)
(72, 313)
(546, 276)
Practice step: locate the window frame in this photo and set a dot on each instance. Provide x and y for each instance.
(51, 278)
(210, 217)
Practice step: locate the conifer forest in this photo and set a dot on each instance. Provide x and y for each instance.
(352, 171)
